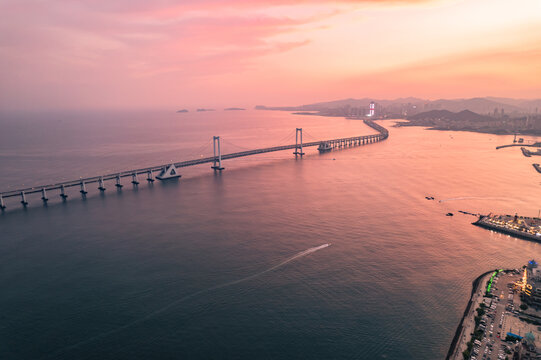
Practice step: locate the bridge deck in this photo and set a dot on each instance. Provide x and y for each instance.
(383, 134)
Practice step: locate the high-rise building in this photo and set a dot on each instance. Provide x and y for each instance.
(372, 111)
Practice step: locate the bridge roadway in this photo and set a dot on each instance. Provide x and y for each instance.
(82, 182)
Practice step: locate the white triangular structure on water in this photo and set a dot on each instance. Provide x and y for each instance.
(170, 172)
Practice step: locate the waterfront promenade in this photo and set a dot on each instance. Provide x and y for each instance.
(467, 324)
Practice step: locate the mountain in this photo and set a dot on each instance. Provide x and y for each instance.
(364, 102)
(465, 115)
(478, 105)
(481, 105)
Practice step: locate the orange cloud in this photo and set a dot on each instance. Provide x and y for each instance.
(512, 72)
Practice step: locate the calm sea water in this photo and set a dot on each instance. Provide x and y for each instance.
(231, 265)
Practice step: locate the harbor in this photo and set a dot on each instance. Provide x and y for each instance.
(503, 317)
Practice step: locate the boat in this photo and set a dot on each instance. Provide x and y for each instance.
(324, 146)
(526, 152)
(537, 167)
(449, 214)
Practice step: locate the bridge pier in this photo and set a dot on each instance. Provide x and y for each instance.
(63, 192)
(118, 184)
(83, 188)
(298, 146)
(101, 185)
(149, 177)
(217, 159)
(44, 196)
(2, 205)
(134, 179)
(168, 172)
(23, 199)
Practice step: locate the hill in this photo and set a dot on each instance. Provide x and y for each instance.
(480, 105)
(465, 115)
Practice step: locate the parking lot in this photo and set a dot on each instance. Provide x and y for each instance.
(500, 317)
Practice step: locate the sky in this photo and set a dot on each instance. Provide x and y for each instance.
(103, 54)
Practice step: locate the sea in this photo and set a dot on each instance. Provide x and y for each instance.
(331, 256)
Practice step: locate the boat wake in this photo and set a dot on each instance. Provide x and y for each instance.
(473, 198)
(176, 302)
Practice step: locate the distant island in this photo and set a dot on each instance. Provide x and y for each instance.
(234, 109)
(205, 110)
(182, 111)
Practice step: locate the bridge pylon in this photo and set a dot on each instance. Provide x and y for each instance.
(298, 144)
(217, 165)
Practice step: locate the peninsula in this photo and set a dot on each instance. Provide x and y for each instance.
(503, 317)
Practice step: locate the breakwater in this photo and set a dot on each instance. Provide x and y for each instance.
(475, 288)
(481, 222)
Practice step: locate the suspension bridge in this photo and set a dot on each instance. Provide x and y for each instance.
(170, 171)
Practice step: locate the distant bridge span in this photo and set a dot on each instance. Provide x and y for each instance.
(169, 171)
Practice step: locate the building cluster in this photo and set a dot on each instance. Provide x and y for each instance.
(525, 224)
(372, 110)
(530, 285)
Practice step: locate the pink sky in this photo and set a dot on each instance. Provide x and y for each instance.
(212, 53)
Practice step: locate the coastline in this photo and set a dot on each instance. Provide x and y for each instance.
(458, 333)
(479, 131)
(408, 123)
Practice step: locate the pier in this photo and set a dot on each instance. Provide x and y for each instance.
(522, 227)
(537, 144)
(171, 171)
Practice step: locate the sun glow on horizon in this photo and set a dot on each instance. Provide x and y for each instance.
(167, 53)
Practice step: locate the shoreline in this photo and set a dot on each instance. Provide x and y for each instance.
(475, 288)
(408, 123)
(492, 132)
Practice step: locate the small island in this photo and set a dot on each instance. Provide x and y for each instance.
(182, 111)
(234, 109)
(202, 109)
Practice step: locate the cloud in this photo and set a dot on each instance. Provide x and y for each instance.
(510, 72)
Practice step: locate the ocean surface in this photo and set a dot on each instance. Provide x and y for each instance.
(335, 256)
